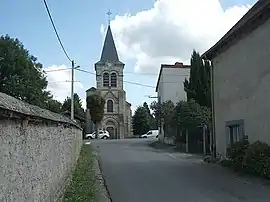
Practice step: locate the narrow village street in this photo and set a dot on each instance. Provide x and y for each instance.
(134, 172)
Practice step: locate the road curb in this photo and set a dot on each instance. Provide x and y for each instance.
(102, 194)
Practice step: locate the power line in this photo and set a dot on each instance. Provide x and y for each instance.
(55, 30)
(62, 82)
(149, 74)
(152, 74)
(139, 84)
(56, 70)
(130, 82)
(85, 71)
(139, 73)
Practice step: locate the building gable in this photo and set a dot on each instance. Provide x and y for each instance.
(111, 95)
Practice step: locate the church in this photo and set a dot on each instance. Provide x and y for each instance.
(109, 81)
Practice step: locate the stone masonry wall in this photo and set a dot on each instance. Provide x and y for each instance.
(38, 151)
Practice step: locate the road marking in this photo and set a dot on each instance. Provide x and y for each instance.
(172, 156)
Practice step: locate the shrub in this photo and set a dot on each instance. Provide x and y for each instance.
(237, 153)
(227, 163)
(256, 159)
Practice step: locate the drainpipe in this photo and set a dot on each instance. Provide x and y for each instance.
(213, 145)
(213, 109)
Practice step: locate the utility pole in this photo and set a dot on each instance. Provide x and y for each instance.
(72, 91)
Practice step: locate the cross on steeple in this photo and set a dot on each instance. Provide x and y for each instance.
(109, 13)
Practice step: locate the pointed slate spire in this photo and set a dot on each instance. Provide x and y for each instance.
(109, 52)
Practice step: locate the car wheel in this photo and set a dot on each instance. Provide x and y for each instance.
(89, 138)
(144, 137)
(105, 137)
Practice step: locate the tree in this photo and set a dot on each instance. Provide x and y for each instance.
(95, 103)
(21, 76)
(198, 87)
(78, 109)
(140, 121)
(53, 105)
(190, 115)
(152, 121)
(156, 108)
(166, 114)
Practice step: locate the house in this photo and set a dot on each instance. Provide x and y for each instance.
(170, 86)
(109, 82)
(241, 80)
(170, 82)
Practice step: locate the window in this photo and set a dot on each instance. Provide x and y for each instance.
(109, 106)
(235, 132)
(149, 133)
(106, 80)
(113, 80)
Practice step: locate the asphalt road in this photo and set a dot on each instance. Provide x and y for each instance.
(134, 172)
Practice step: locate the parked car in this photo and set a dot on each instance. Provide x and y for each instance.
(103, 134)
(150, 133)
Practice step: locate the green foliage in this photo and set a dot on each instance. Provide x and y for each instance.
(237, 153)
(190, 115)
(140, 121)
(256, 159)
(227, 163)
(95, 103)
(21, 76)
(167, 110)
(156, 108)
(78, 110)
(253, 159)
(82, 187)
(152, 122)
(53, 105)
(198, 87)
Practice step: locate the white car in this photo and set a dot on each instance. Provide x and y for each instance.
(103, 134)
(150, 133)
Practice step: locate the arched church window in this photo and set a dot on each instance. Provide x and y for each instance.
(113, 80)
(109, 106)
(106, 79)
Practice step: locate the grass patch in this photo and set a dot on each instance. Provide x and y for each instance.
(82, 186)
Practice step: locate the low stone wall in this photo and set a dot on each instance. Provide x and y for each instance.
(166, 139)
(169, 140)
(38, 151)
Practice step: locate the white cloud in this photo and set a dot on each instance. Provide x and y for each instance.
(170, 30)
(59, 82)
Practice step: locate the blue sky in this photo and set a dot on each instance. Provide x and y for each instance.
(78, 23)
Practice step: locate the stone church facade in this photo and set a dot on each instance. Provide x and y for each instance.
(109, 81)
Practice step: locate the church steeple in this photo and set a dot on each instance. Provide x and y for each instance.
(109, 52)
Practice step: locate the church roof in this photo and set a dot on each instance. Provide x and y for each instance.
(109, 52)
(91, 89)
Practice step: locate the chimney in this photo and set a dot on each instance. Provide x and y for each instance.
(179, 64)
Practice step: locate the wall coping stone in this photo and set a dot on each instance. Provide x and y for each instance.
(12, 104)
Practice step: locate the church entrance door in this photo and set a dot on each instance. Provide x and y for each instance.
(111, 131)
